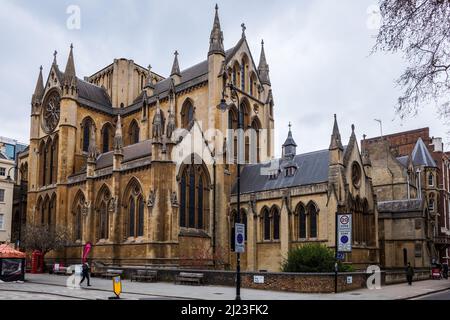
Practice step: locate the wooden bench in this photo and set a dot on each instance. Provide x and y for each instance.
(190, 278)
(145, 275)
(112, 273)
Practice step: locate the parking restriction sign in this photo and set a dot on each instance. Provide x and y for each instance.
(240, 238)
(344, 230)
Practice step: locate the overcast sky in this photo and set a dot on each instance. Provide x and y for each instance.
(318, 52)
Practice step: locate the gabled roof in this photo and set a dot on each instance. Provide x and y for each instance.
(421, 156)
(312, 168)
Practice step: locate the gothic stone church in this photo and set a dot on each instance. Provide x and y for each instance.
(108, 161)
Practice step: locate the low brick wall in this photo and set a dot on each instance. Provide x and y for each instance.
(291, 282)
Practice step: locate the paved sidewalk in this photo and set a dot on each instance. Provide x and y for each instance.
(162, 290)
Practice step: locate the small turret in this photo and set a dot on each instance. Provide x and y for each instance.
(70, 82)
(289, 147)
(263, 68)
(336, 137)
(216, 38)
(38, 91)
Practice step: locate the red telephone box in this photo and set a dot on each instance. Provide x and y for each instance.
(37, 262)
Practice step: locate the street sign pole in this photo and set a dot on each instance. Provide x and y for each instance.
(336, 256)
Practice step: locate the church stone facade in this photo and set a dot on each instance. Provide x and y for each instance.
(143, 166)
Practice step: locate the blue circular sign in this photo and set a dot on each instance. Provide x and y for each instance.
(344, 239)
(240, 238)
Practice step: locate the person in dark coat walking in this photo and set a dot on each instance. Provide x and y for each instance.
(85, 272)
(409, 273)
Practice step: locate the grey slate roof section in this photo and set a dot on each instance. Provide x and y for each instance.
(3, 156)
(421, 156)
(398, 206)
(403, 160)
(312, 169)
(132, 152)
(93, 93)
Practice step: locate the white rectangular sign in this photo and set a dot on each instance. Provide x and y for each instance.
(239, 238)
(344, 230)
(258, 279)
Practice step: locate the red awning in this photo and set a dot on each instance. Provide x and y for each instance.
(7, 252)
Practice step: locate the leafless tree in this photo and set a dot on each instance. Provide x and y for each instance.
(45, 239)
(421, 30)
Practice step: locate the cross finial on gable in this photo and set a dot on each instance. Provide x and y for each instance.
(243, 29)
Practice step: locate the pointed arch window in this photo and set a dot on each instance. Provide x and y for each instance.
(103, 221)
(267, 224)
(134, 132)
(136, 212)
(194, 197)
(87, 127)
(312, 211)
(78, 224)
(276, 224)
(431, 180)
(187, 115)
(107, 138)
(302, 222)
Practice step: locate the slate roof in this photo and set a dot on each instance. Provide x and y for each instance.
(131, 152)
(3, 156)
(421, 155)
(400, 205)
(403, 160)
(312, 168)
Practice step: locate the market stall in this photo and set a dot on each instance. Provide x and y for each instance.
(12, 264)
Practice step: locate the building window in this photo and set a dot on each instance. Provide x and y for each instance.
(187, 115)
(87, 127)
(276, 224)
(2, 171)
(194, 194)
(136, 216)
(430, 180)
(302, 223)
(266, 225)
(312, 211)
(2, 195)
(431, 205)
(134, 132)
(2, 227)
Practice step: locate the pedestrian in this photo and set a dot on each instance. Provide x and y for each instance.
(85, 273)
(409, 273)
(445, 270)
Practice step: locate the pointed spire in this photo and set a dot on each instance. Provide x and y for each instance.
(216, 38)
(289, 146)
(157, 130)
(118, 139)
(263, 67)
(336, 137)
(175, 66)
(149, 80)
(39, 90)
(69, 74)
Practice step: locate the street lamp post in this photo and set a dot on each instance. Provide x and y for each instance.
(223, 106)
